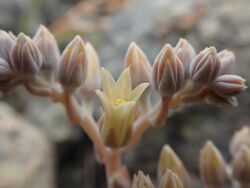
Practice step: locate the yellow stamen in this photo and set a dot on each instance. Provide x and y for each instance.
(119, 101)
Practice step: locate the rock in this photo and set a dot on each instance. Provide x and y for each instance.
(26, 157)
(48, 116)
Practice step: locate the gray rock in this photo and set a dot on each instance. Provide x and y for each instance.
(26, 157)
(46, 115)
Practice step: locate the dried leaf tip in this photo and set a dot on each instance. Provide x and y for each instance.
(212, 166)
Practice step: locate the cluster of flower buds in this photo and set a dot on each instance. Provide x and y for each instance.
(208, 72)
(168, 180)
(171, 172)
(214, 171)
(37, 62)
(178, 74)
(23, 60)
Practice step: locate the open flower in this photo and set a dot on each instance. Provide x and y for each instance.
(118, 100)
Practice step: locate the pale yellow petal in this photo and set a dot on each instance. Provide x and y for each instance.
(124, 84)
(137, 92)
(125, 113)
(107, 104)
(109, 85)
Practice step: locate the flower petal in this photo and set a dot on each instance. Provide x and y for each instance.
(109, 85)
(125, 114)
(137, 92)
(124, 84)
(107, 104)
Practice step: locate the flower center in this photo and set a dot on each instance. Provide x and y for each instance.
(119, 101)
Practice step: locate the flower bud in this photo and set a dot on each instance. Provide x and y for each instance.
(170, 180)
(186, 53)
(169, 160)
(6, 43)
(228, 85)
(138, 64)
(26, 57)
(91, 82)
(12, 36)
(7, 78)
(241, 165)
(142, 181)
(73, 65)
(212, 166)
(168, 72)
(214, 99)
(205, 67)
(227, 60)
(240, 138)
(48, 47)
(6, 72)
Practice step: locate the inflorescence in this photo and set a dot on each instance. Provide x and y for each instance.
(74, 78)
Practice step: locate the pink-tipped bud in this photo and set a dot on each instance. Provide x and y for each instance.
(168, 72)
(205, 67)
(73, 65)
(212, 166)
(142, 181)
(185, 51)
(48, 47)
(170, 180)
(241, 166)
(138, 64)
(6, 43)
(26, 57)
(93, 78)
(227, 60)
(240, 138)
(228, 85)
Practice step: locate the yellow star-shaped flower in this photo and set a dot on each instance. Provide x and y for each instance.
(118, 100)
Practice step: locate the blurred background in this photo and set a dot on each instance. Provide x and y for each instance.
(39, 148)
